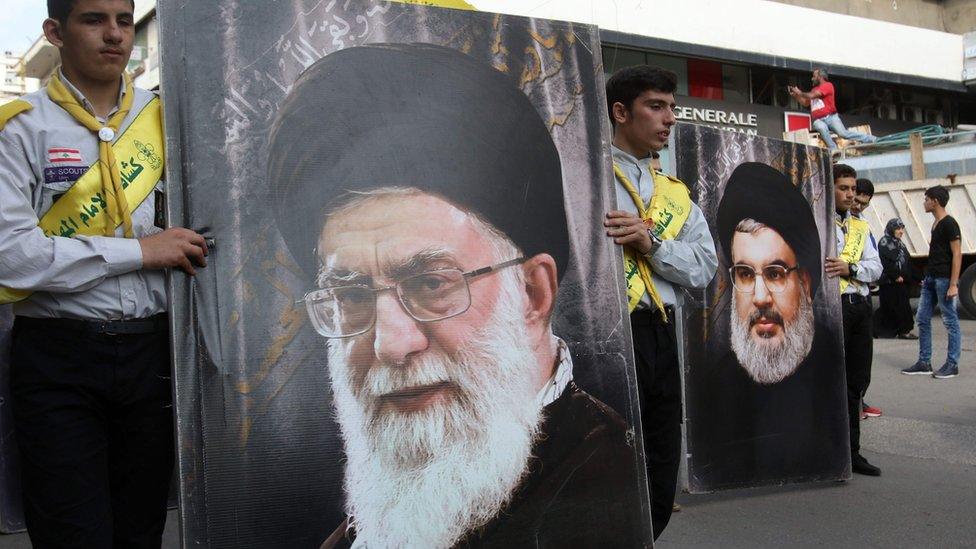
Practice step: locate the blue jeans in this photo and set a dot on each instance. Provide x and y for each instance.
(833, 122)
(934, 290)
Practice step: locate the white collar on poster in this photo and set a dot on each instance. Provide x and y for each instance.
(560, 378)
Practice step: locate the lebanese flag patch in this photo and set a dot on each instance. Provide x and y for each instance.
(63, 155)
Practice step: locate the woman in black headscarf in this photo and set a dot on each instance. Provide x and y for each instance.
(894, 318)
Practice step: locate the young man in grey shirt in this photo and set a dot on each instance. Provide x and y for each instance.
(82, 259)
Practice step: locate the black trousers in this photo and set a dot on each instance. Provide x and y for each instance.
(858, 353)
(93, 419)
(659, 386)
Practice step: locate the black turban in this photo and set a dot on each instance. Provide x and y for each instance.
(415, 115)
(759, 192)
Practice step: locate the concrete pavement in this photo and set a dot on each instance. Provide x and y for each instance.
(925, 444)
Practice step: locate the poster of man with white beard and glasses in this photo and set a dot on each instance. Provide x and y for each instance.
(764, 363)
(410, 331)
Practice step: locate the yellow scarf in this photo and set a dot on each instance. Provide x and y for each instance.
(856, 236)
(83, 209)
(666, 214)
(456, 4)
(117, 208)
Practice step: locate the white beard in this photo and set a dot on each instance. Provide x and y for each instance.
(426, 479)
(765, 361)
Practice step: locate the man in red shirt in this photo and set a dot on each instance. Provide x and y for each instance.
(823, 110)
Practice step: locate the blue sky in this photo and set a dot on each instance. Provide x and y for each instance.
(20, 23)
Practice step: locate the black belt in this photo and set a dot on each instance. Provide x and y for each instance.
(154, 324)
(853, 299)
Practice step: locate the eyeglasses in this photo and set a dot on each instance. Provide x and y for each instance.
(774, 277)
(347, 311)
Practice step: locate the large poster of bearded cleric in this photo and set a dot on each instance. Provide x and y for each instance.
(410, 332)
(764, 371)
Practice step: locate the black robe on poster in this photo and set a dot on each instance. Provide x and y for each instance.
(742, 433)
(581, 490)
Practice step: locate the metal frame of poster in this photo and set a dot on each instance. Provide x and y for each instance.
(290, 125)
(765, 388)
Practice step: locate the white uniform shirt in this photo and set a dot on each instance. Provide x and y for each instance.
(87, 277)
(868, 268)
(688, 260)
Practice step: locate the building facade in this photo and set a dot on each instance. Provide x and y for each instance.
(895, 65)
(899, 69)
(13, 83)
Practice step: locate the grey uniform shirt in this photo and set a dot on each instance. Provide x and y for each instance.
(88, 277)
(688, 260)
(868, 268)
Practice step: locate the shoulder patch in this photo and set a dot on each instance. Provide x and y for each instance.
(12, 109)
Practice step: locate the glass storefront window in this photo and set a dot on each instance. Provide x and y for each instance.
(676, 65)
(735, 83)
(705, 79)
(615, 59)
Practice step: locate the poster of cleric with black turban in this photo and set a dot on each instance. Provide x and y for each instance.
(410, 332)
(764, 363)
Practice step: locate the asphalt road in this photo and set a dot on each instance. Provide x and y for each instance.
(925, 444)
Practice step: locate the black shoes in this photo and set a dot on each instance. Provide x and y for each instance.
(946, 371)
(919, 368)
(861, 466)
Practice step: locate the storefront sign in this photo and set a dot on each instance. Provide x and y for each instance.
(739, 121)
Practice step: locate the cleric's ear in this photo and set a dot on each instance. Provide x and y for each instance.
(541, 286)
(806, 282)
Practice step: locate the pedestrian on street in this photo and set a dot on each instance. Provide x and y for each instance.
(863, 193)
(894, 317)
(856, 266)
(940, 285)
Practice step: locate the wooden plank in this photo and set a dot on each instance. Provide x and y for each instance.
(916, 227)
(918, 160)
(962, 180)
(797, 136)
(962, 202)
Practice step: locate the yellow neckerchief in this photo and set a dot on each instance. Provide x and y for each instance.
(856, 233)
(455, 4)
(667, 212)
(117, 209)
(12, 109)
(84, 208)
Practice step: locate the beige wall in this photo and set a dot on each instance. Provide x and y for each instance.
(758, 26)
(955, 16)
(960, 16)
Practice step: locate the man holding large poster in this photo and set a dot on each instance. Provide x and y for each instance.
(667, 247)
(856, 265)
(82, 259)
(461, 421)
